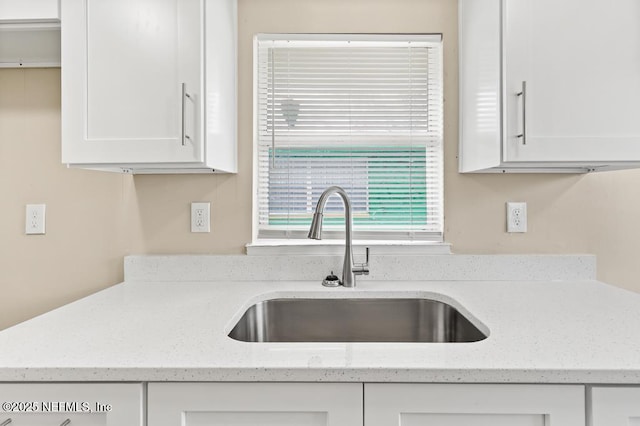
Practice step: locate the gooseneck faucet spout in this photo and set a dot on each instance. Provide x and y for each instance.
(349, 271)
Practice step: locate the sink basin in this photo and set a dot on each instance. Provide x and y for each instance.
(354, 320)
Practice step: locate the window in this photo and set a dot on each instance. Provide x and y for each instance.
(358, 111)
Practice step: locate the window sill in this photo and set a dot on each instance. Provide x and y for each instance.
(304, 247)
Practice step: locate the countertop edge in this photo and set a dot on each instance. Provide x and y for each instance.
(339, 375)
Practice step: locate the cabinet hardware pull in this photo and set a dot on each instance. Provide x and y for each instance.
(523, 93)
(184, 97)
(6, 422)
(65, 423)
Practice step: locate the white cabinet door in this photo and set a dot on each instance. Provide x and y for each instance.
(477, 405)
(124, 64)
(255, 404)
(581, 66)
(80, 404)
(615, 406)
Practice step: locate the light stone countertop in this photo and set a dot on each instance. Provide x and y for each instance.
(572, 331)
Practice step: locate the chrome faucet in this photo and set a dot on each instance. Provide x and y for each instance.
(349, 271)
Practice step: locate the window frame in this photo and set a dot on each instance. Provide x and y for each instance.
(409, 236)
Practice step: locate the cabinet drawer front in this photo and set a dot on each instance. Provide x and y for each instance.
(480, 405)
(81, 404)
(253, 404)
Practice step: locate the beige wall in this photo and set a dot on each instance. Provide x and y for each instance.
(150, 214)
(86, 224)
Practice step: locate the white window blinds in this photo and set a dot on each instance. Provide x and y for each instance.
(361, 112)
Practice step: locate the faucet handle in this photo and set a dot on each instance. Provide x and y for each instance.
(362, 268)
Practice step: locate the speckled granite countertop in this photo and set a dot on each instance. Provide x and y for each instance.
(572, 331)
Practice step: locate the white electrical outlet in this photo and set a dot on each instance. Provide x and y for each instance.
(35, 219)
(516, 217)
(200, 217)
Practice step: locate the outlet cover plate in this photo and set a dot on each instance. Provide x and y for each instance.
(200, 217)
(35, 219)
(516, 217)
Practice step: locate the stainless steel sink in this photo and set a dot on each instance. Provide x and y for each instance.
(354, 320)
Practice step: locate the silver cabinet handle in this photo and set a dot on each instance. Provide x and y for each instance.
(6, 422)
(65, 423)
(184, 98)
(523, 93)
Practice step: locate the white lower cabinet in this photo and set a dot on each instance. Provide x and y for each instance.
(316, 404)
(341, 404)
(254, 404)
(72, 404)
(477, 405)
(615, 406)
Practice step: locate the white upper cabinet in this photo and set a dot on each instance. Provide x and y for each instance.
(548, 85)
(139, 94)
(29, 33)
(29, 11)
